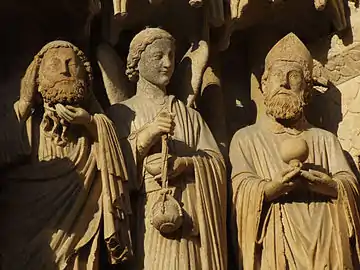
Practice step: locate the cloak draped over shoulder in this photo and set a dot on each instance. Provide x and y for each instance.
(301, 230)
(63, 200)
(201, 241)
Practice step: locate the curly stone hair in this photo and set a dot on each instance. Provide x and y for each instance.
(138, 45)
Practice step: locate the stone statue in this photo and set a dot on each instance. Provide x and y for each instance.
(65, 194)
(294, 197)
(176, 170)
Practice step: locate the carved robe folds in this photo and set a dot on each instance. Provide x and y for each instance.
(201, 241)
(301, 230)
(64, 201)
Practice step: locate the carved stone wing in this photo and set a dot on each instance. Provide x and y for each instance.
(113, 74)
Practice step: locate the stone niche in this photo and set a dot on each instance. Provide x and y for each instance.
(27, 26)
(230, 96)
(336, 66)
(238, 45)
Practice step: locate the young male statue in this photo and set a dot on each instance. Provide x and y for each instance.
(68, 195)
(177, 170)
(294, 197)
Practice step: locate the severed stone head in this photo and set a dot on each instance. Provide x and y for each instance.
(64, 74)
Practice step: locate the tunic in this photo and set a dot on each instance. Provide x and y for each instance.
(201, 241)
(300, 230)
(60, 202)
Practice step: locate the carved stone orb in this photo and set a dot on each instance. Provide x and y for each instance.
(294, 151)
(167, 214)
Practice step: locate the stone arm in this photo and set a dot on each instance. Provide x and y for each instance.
(17, 120)
(16, 137)
(327, 182)
(321, 183)
(144, 140)
(245, 173)
(205, 147)
(241, 161)
(147, 137)
(78, 116)
(28, 91)
(91, 126)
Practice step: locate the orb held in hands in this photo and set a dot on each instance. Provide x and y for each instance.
(294, 151)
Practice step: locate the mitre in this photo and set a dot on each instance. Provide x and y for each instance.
(290, 49)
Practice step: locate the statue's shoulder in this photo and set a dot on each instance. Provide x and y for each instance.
(130, 102)
(123, 113)
(246, 133)
(320, 132)
(189, 110)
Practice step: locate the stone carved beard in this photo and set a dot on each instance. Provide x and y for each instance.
(54, 127)
(67, 92)
(284, 104)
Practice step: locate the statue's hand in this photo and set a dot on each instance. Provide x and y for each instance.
(316, 177)
(283, 183)
(177, 166)
(28, 91)
(77, 116)
(162, 124)
(73, 115)
(24, 108)
(147, 137)
(320, 182)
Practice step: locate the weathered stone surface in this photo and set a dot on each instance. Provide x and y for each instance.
(214, 76)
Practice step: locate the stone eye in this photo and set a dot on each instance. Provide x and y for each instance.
(157, 56)
(54, 64)
(295, 78)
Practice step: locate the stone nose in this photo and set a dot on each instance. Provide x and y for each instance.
(64, 69)
(166, 62)
(284, 82)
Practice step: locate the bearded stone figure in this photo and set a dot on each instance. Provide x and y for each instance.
(176, 170)
(294, 197)
(64, 195)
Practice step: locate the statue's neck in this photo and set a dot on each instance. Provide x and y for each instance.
(290, 123)
(146, 88)
(296, 123)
